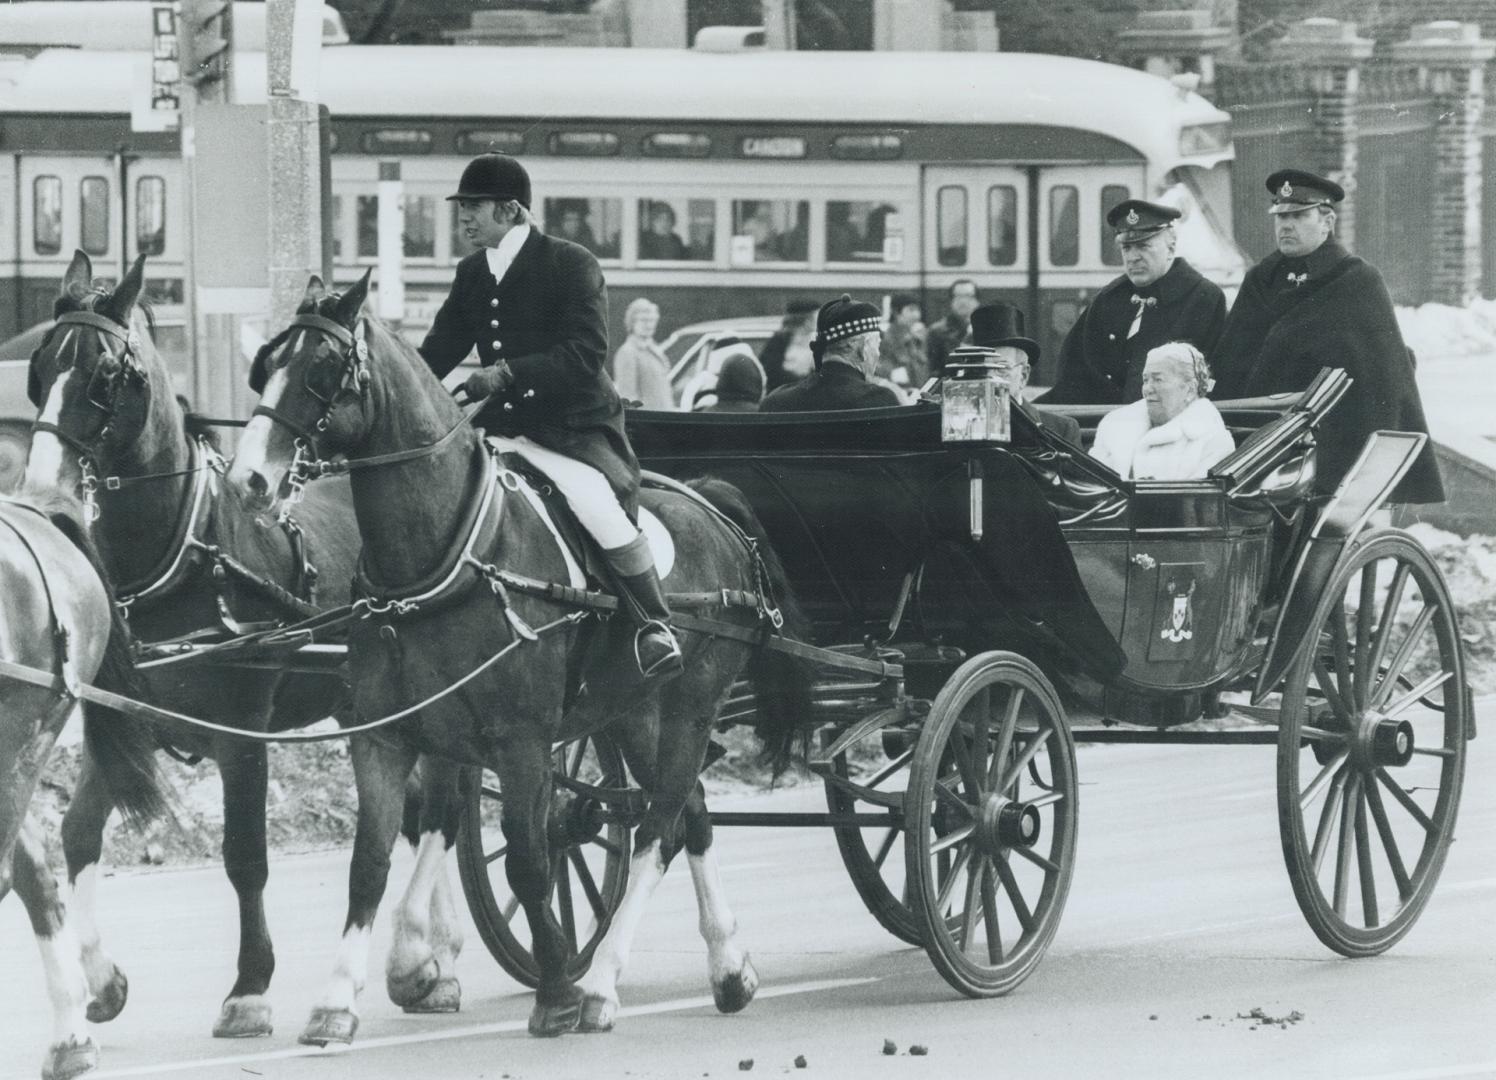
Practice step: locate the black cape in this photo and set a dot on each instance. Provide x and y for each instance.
(1100, 364)
(1283, 329)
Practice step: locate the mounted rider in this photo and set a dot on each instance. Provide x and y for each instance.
(535, 307)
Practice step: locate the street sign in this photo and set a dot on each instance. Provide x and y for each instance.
(157, 102)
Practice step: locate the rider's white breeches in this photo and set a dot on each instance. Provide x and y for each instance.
(586, 490)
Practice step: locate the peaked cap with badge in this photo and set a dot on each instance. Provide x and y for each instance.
(1136, 219)
(1294, 190)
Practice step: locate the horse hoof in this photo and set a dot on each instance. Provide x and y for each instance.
(412, 987)
(243, 1018)
(598, 1014)
(548, 1021)
(69, 1059)
(733, 992)
(329, 1026)
(445, 997)
(109, 1002)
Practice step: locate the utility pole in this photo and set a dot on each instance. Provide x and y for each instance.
(295, 152)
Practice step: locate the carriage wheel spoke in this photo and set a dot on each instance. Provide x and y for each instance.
(1328, 688)
(945, 794)
(963, 745)
(562, 885)
(511, 906)
(1010, 775)
(1401, 657)
(1407, 801)
(1015, 895)
(1389, 841)
(1046, 800)
(1038, 860)
(589, 884)
(1349, 799)
(951, 839)
(888, 770)
(989, 914)
(890, 837)
(1317, 784)
(1384, 628)
(1365, 612)
(1433, 682)
(973, 910)
(576, 754)
(1363, 860)
(1342, 654)
(948, 878)
(1327, 816)
(607, 845)
(497, 854)
(1005, 737)
(981, 737)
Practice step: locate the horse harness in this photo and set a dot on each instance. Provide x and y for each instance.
(188, 547)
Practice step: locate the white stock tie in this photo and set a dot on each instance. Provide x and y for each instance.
(1137, 320)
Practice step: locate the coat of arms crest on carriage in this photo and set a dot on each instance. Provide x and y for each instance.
(1173, 635)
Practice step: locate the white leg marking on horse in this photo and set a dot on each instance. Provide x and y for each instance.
(81, 916)
(66, 985)
(645, 871)
(446, 928)
(411, 946)
(44, 466)
(349, 970)
(719, 927)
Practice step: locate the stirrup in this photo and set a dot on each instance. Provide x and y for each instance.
(670, 664)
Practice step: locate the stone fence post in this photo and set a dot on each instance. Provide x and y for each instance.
(1451, 59)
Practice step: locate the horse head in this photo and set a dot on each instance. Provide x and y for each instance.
(101, 388)
(313, 379)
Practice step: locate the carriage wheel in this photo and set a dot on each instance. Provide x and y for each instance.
(990, 823)
(874, 855)
(589, 862)
(1371, 747)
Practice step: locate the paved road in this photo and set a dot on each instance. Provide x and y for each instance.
(1180, 918)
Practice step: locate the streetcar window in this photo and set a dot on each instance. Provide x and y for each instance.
(1064, 225)
(420, 227)
(403, 141)
(677, 229)
(46, 215)
(337, 226)
(150, 215)
(857, 231)
(770, 230)
(93, 201)
(461, 245)
(950, 226)
(584, 143)
(488, 142)
(679, 144)
(366, 213)
(1002, 225)
(596, 224)
(1111, 196)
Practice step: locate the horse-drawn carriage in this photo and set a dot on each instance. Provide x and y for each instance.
(968, 583)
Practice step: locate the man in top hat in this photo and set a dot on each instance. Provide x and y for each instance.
(997, 334)
(1311, 304)
(849, 335)
(535, 307)
(1160, 297)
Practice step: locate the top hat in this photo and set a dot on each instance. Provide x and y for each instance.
(494, 176)
(1294, 190)
(998, 324)
(1135, 219)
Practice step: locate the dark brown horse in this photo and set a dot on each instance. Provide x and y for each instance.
(58, 619)
(111, 421)
(342, 383)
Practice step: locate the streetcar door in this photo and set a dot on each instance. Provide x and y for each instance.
(976, 225)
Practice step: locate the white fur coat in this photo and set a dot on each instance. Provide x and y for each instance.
(1181, 449)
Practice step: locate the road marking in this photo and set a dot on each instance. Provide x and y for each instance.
(503, 1027)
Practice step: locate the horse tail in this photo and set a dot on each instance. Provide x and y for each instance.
(781, 682)
(123, 747)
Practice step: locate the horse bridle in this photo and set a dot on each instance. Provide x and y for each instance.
(130, 367)
(352, 379)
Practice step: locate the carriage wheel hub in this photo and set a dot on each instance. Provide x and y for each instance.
(1004, 823)
(1382, 740)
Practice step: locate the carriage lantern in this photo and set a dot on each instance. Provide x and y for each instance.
(974, 398)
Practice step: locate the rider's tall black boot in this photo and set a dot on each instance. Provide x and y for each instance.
(656, 649)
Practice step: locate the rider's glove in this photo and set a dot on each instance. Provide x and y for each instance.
(488, 381)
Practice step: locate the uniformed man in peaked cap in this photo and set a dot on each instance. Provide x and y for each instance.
(1312, 304)
(1159, 298)
(535, 307)
(849, 334)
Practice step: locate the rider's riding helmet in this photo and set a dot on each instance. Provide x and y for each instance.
(494, 176)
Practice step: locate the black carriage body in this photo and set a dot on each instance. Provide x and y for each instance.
(1179, 573)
